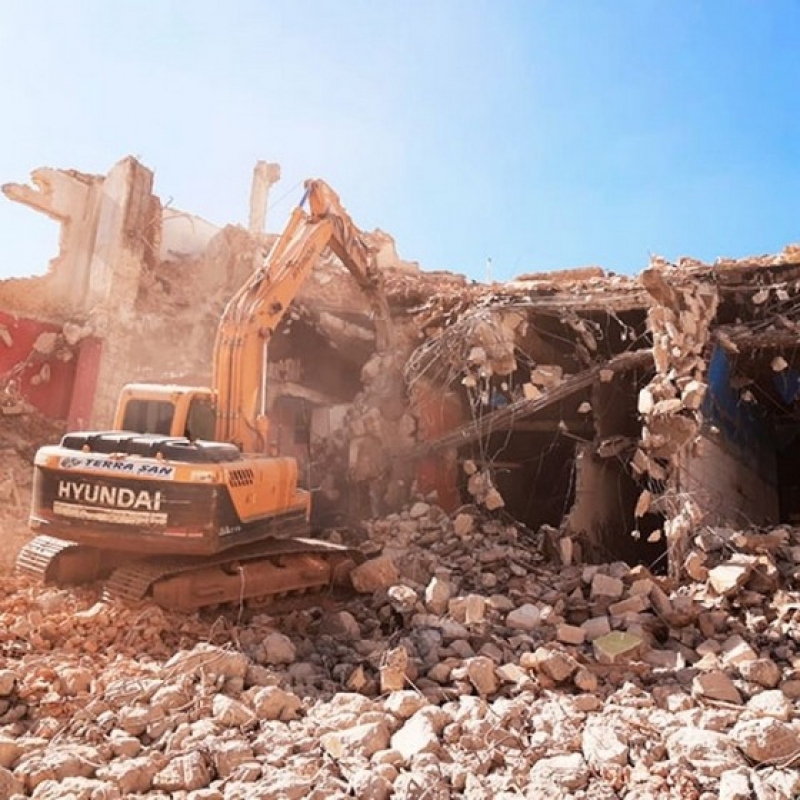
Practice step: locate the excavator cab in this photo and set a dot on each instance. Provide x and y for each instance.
(183, 411)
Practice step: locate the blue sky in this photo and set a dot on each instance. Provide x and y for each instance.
(542, 135)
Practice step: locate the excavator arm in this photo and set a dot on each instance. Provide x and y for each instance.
(254, 312)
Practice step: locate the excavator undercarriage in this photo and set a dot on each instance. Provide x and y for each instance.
(186, 533)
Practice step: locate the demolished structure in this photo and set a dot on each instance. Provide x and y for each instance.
(619, 412)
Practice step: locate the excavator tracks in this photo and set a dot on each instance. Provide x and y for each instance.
(60, 561)
(255, 572)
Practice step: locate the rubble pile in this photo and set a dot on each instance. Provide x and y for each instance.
(471, 665)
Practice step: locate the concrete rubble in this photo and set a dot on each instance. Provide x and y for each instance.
(576, 493)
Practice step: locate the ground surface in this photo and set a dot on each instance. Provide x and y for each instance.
(470, 666)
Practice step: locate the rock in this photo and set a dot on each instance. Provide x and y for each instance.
(228, 756)
(710, 752)
(403, 599)
(728, 578)
(606, 587)
(596, 627)
(734, 785)
(419, 510)
(420, 733)
(341, 625)
(10, 751)
(585, 680)
(463, 525)
(278, 649)
(404, 704)
(716, 685)
(230, 712)
(767, 741)
(618, 646)
(525, 618)
(763, 671)
(56, 765)
(474, 609)
(132, 776)
(558, 666)
(571, 634)
(208, 660)
(184, 773)
(9, 784)
(359, 741)
(367, 785)
(480, 671)
(772, 703)
(602, 745)
(393, 670)
(8, 682)
(375, 574)
(76, 789)
(437, 595)
(272, 703)
(568, 772)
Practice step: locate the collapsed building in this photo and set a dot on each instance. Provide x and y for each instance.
(615, 414)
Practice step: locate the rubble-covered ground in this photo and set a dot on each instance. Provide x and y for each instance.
(473, 664)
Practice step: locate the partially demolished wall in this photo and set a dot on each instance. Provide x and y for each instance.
(618, 415)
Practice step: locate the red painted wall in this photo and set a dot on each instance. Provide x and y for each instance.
(19, 363)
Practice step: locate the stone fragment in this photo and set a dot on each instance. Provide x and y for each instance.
(230, 712)
(734, 784)
(402, 598)
(463, 524)
(474, 609)
(557, 665)
(763, 671)
(419, 510)
(278, 649)
(568, 772)
(602, 745)
(729, 577)
(772, 703)
(420, 733)
(359, 741)
(375, 574)
(132, 776)
(404, 704)
(184, 773)
(10, 751)
(618, 646)
(8, 682)
(596, 627)
(209, 660)
(437, 595)
(585, 680)
(607, 587)
(571, 634)
(710, 752)
(272, 703)
(228, 756)
(767, 740)
(526, 618)
(393, 670)
(9, 784)
(716, 685)
(480, 671)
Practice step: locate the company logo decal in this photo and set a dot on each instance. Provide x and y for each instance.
(135, 468)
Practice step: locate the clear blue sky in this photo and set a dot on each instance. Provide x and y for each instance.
(542, 135)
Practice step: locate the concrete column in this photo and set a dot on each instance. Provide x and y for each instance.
(265, 175)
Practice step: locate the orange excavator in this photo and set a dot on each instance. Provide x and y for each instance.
(181, 501)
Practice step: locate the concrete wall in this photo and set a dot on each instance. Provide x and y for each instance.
(729, 489)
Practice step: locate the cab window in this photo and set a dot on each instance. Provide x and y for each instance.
(201, 420)
(148, 416)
